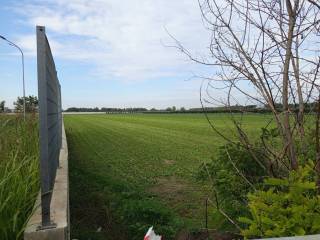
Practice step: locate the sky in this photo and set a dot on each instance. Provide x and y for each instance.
(108, 53)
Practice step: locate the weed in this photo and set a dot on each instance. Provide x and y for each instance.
(19, 183)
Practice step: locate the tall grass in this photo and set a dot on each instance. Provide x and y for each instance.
(19, 172)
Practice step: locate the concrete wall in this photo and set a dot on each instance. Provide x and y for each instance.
(59, 204)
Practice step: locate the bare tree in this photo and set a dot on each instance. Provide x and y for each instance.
(265, 52)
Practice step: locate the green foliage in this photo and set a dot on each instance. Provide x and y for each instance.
(287, 207)
(269, 134)
(19, 184)
(231, 186)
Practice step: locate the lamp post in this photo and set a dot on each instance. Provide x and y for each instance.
(23, 83)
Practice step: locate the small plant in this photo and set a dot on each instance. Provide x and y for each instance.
(287, 207)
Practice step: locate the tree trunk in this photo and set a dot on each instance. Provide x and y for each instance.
(288, 140)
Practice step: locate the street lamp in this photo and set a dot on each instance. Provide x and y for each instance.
(23, 83)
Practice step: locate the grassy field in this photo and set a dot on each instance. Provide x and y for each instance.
(19, 183)
(131, 171)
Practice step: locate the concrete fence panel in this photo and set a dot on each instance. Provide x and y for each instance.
(51, 217)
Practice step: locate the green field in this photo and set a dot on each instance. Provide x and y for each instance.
(131, 171)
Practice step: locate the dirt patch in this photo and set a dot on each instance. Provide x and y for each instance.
(169, 162)
(170, 186)
(184, 197)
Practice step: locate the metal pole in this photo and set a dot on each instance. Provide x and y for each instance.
(24, 87)
(23, 82)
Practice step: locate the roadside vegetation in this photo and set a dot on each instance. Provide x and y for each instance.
(19, 184)
(260, 202)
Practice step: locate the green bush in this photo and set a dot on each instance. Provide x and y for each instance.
(287, 207)
(231, 186)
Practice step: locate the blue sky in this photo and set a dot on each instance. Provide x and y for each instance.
(108, 53)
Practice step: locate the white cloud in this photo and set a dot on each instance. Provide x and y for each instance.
(122, 38)
(28, 42)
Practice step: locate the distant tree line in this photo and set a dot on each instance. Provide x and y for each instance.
(107, 110)
(309, 107)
